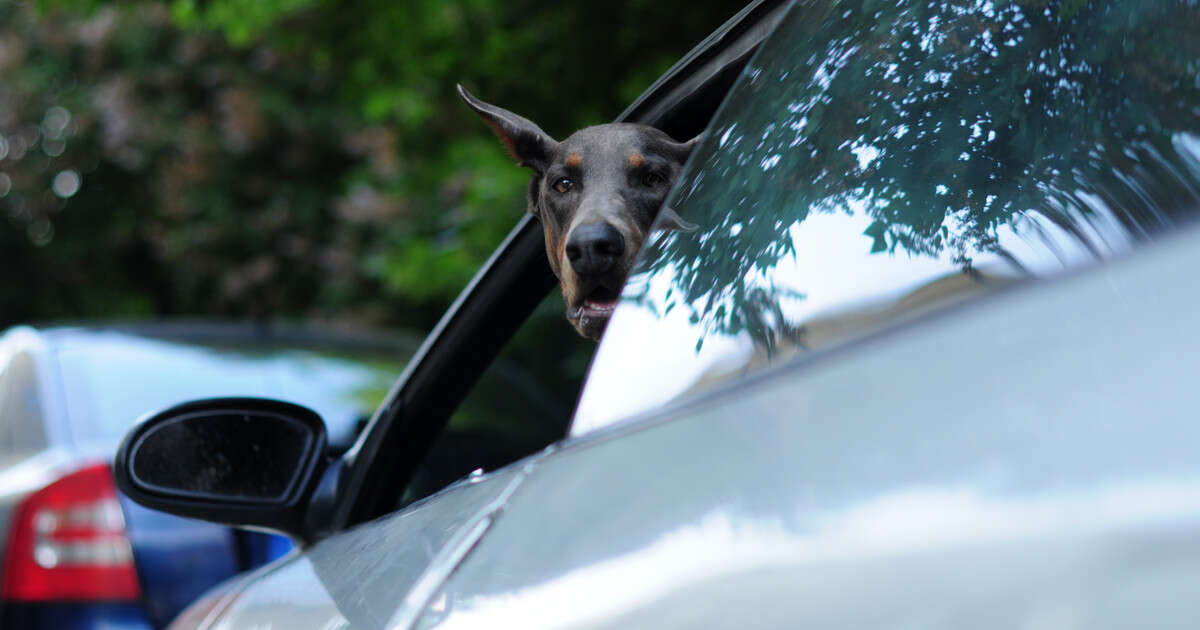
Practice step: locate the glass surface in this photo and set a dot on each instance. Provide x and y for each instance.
(22, 423)
(224, 455)
(880, 159)
(521, 404)
(112, 379)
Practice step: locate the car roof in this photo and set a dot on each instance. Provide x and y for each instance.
(78, 365)
(241, 334)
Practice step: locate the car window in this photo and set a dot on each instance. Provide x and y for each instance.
(522, 402)
(860, 174)
(22, 421)
(112, 379)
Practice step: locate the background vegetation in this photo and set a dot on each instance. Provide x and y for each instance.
(288, 158)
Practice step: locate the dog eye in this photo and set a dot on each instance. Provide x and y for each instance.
(652, 179)
(563, 184)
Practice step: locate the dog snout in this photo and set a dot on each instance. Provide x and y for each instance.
(594, 249)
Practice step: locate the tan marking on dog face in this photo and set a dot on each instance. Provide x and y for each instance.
(551, 248)
(566, 273)
(636, 160)
(556, 251)
(560, 252)
(567, 282)
(574, 160)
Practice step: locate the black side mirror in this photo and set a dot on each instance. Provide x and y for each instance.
(239, 461)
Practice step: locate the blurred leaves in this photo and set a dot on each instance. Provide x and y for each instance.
(944, 123)
(303, 158)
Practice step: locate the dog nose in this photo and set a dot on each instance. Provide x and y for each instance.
(593, 249)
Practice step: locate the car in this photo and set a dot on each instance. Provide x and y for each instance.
(76, 553)
(926, 360)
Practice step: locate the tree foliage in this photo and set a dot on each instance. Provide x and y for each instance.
(288, 157)
(943, 122)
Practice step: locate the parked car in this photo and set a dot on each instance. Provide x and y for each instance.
(76, 553)
(927, 360)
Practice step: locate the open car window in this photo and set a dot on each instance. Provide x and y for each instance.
(396, 448)
(858, 176)
(522, 403)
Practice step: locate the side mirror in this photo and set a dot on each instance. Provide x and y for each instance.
(238, 461)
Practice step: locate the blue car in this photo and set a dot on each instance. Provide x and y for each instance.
(77, 554)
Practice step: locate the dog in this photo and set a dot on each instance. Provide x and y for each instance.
(596, 195)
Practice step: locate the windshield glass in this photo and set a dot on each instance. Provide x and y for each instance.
(878, 160)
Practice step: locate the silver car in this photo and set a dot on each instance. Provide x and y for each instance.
(928, 360)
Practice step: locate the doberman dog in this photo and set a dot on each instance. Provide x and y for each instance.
(596, 194)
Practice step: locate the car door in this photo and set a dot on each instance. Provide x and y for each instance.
(924, 362)
(749, 446)
(457, 413)
(819, 454)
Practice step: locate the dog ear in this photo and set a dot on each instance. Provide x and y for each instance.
(525, 141)
(683, 149)
(668, 219)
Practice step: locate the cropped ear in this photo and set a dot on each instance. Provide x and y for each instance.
(683, 149)
(670, 220)
(525, 141)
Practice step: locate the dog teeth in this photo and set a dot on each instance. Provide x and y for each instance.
(594, 309)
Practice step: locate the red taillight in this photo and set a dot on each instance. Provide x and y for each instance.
(68, 542)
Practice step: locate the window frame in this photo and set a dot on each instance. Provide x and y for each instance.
(369, 479)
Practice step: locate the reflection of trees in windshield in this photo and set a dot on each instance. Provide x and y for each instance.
(943, 122)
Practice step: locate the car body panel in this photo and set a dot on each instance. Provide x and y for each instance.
(28, 475)
(360, 577)
(76, 616)
(177, 558)
(1028, 457)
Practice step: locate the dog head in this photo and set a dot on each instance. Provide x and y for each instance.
(596, 194)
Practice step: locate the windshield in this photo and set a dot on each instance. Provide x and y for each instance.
(878, 160)
(112, 379)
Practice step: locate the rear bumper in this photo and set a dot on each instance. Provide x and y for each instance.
(73, 616)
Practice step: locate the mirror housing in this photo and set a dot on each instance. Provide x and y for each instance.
(247, 462)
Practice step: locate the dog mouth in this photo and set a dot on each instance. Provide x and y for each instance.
(600, 302)
(593, 311)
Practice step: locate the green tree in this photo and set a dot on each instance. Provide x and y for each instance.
(298, 158)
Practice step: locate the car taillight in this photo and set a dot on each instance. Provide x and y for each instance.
(68, 542)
